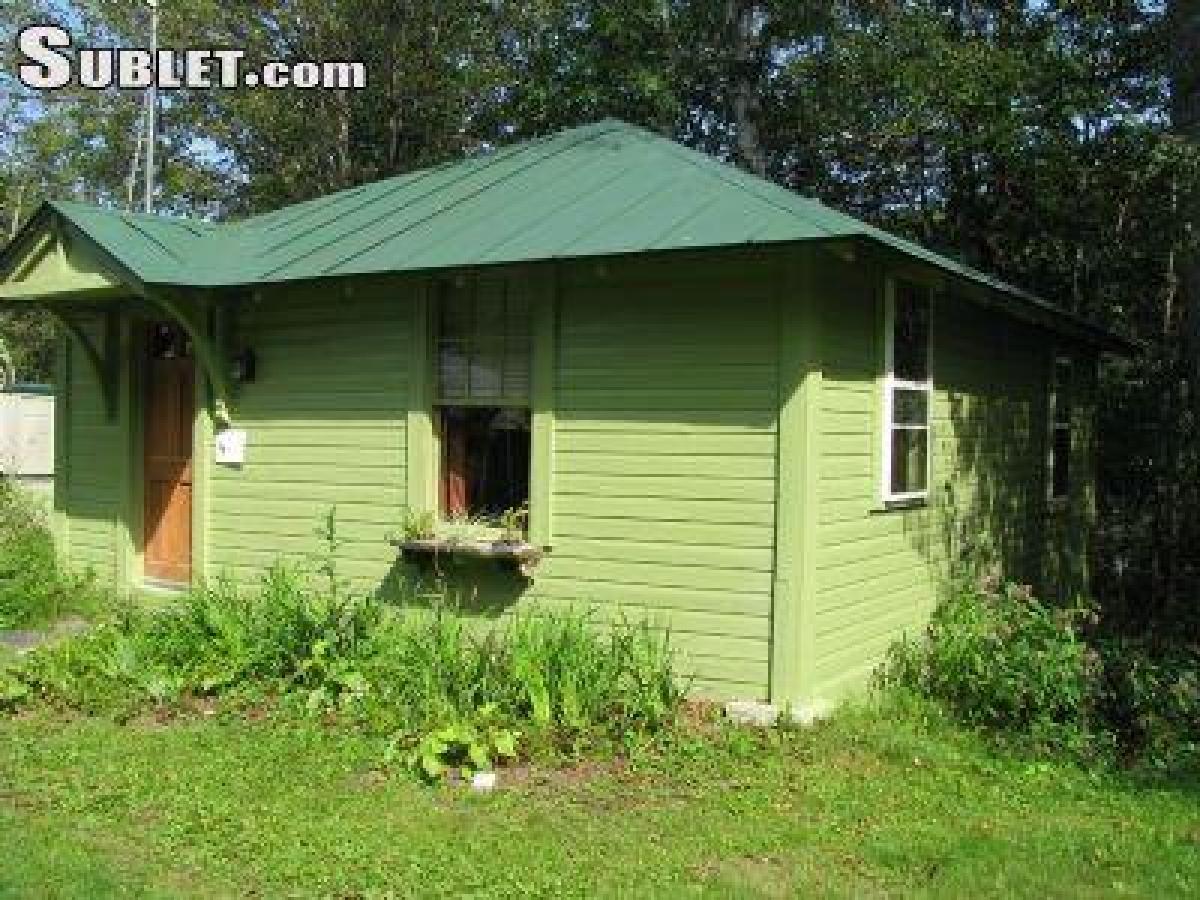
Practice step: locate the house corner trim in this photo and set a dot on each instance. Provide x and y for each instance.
(792, 677)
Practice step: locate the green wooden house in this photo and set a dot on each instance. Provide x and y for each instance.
(729, 408)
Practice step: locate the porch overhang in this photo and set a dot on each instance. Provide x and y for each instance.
(54, 266)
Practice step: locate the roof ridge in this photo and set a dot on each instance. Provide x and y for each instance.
(130, 215)
(600, 189)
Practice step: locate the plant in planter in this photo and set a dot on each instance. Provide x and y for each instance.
(420, 526)
(424, 538)
(512, 524)
(465, 529)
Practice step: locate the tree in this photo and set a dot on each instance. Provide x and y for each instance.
(1055, 144)
(1184, 26)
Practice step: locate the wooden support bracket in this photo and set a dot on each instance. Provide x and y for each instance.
(105, 360)
(210, 346)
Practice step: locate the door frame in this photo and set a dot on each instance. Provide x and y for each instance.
(132, 411)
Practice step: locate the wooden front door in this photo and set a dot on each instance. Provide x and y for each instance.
(170, 409)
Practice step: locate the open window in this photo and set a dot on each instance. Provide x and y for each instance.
(1058, 478)
(482, 415)
(908, 387)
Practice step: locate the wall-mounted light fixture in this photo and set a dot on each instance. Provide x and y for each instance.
(243, 366)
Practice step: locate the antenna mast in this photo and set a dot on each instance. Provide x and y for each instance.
(151, 104)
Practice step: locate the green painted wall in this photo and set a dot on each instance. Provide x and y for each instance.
(878, 570)
(664, 458)
(325, 419)
(662, 466)
(666, 379)
(89, 463)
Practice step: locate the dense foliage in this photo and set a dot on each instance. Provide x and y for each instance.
(1045, 677)
(553, 680)
(34, 587)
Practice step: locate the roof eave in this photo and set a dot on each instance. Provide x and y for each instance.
(1022, 304)
(51, 219)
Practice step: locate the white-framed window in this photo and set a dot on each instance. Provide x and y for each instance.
(907, 392)
(1058, 459)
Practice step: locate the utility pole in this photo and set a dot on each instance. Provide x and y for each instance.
(151, 104)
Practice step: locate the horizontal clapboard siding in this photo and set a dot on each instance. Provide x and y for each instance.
(325, 418)
(90, 485)
(876, 573)
(663, 472)
(664, 469)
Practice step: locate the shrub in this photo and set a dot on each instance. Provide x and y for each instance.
(34, 587)
(1005, 661)
(1151, 699)
(999, 659)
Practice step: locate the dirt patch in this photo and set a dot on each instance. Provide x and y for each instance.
(573, 775)
(159, 717)
(701, 715)
(370, 780)
(21, 801)
(763, 876)
(22, 640)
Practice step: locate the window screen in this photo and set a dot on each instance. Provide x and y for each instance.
(1060, 430)
(483, 344)
(483, 377)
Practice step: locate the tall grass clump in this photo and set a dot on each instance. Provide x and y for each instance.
(565, 678)
(35, 589)
(559, 680)
(214, 640)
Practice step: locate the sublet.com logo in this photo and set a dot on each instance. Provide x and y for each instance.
(51, 61)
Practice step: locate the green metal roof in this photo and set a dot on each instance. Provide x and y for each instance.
(598, 190)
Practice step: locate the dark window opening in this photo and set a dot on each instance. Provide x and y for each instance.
(1060, 425)
(485, 460)
(483, 375)
(1060, 476)
(911, 335)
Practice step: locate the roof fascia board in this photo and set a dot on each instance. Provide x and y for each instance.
(1013, 303)
(37, 251)
(72, 231)
(77, 266)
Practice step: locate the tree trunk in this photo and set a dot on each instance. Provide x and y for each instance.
(1184, 30)
(18, 204)
(745, 20)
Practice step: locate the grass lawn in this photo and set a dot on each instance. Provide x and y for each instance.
(864, 806)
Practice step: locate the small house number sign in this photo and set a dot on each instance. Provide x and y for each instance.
(231, 447)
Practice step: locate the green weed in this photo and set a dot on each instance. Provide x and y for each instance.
(35, 589)
(425, 678)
